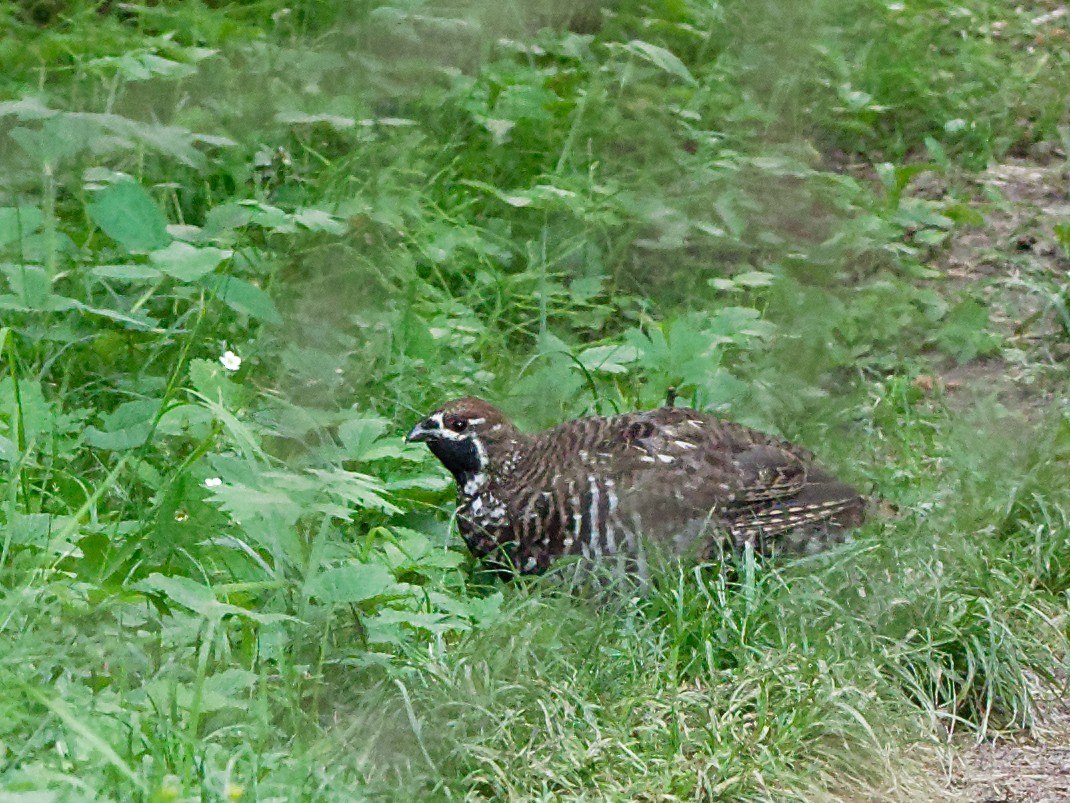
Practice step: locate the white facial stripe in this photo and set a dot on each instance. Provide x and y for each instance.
(446, 433)
(449, 435)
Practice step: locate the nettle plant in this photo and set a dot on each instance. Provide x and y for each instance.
(692, 354)
(142, 453)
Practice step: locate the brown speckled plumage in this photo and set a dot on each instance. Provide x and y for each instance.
(612, 488)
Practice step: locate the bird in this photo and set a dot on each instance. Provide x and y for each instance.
(621, 490)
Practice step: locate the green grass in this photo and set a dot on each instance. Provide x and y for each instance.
(226, 583)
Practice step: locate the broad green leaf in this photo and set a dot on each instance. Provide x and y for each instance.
(167, 68)
(28, 108)
(75, 722)
(59, 138)
(487, 609)
(726, 208)
(525, 101)
(358, 434)
(754, 278)
(432, 623)
(237, 429)
(915, 211)
(98, 177)
(351, 583)
(723, 389)
(738, 323)
(126, 428)
(515, 199)
(50, 303)
(247, 504)
(361, 440)
(663, 59)
(361, 490)
(610, 359)
(190, 420)
(243, 297)
(17, 222)
(38, 415)
(9, 452)
(854, 99)
(128, 66)
(116, 441)
(30, 284)
(413, 551)
(318, 220)
(299, 118)
(930, 236)
(228, 689)
(270, 217)
(186, 262)
(173, 141)
(201, 599)
(127, 214)
(183, 591)
(127, 273)
(33, 529)
(719, 283)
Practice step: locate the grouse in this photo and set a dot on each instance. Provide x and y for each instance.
(613, 489)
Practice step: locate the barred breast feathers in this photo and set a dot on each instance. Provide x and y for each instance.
(600, 486)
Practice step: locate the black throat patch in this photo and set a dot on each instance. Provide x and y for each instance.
(461, 457)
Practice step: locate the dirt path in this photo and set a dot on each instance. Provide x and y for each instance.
(1000, 773)
(1016, 264)
(1029, 767)
(1015, 261)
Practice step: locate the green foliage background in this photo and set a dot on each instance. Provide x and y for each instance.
(225, 581)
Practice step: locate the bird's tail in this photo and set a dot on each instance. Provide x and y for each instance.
(818, 516)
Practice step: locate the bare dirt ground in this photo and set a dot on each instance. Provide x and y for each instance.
(1031, 767)
(1015, 261)
(1017, 264)
(999, 773)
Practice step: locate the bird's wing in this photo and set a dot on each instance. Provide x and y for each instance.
(716, 464)
(677, 473)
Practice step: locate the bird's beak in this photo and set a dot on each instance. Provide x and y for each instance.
(418, 434)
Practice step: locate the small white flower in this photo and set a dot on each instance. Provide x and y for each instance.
(230, 360)
(213, 482)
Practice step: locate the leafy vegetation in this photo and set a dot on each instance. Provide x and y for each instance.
(242, 246)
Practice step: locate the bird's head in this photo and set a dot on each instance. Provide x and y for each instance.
(461, 433)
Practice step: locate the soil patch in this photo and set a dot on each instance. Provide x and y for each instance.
(1015, 262)
(1031, 767)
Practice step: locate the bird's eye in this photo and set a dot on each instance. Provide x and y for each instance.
(457, 424)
